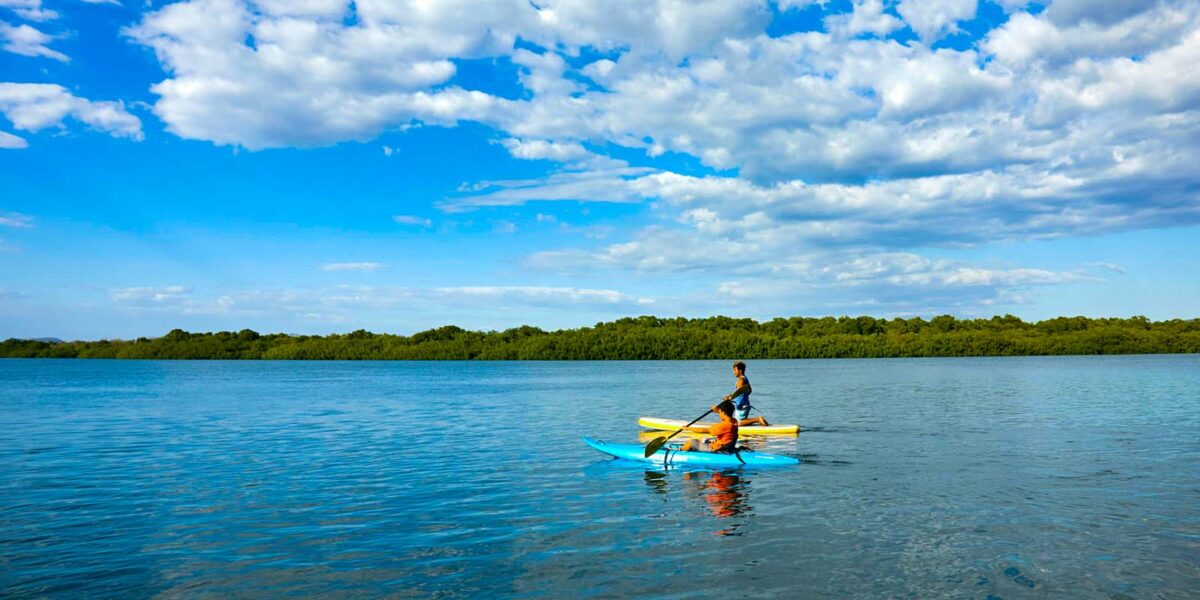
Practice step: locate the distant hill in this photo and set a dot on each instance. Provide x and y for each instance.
(48, 340)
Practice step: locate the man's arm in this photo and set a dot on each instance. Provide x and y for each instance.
(743, 387)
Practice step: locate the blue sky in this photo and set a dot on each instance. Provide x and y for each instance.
(321, 166)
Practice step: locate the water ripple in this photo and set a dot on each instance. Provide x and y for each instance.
(940, 478)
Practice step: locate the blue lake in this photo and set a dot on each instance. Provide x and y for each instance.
(1044, 477)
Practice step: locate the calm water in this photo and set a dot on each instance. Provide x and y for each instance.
(928, 478)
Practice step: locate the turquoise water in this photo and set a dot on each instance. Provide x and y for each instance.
(925, 478)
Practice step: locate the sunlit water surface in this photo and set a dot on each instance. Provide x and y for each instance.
(927, 478)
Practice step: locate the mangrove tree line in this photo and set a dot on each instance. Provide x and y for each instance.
(650, 337)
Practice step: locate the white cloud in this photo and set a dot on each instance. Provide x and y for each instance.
(1070, 12)
(539, 295)
(545, 150)
(352, 266)
(672, 29)
(904, 269)
(888, 284)
(1079, 120)
(867, 17)
(1012, 5)
(27, 41)
(305, 78)
(36, 106)
(1106, 266)
(1163, 81)
(12, 142)
(785, 5)
(596, 232)
(608, 185)
(482, 306)
(16, 220)
(412, 220)
(31, 10)
(273, 75)
(324, 9)
(1027, 39)
(150, 296)
(934, 19)
(1017, 203)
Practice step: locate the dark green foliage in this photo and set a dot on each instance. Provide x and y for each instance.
(648, 337)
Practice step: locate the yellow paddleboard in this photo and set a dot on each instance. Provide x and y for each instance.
(645, 435)
(673, 424)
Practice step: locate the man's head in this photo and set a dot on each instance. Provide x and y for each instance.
(739, 367)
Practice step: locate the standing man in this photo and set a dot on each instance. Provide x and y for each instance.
(742, 395)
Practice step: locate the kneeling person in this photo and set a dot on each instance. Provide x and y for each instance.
(724, 434)
(742, 396)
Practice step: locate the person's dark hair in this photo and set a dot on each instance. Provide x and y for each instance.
(740, 366)
(726, 408)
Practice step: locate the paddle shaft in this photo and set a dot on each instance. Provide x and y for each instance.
(680, 430)
(659, 442)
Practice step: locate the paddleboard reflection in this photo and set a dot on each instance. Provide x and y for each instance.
(725, 494)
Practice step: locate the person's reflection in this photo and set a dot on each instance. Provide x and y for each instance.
(657, 482)
(725, 493)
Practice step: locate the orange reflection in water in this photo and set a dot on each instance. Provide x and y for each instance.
(725, 494)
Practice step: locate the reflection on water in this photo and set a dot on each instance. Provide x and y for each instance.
(657, 482)
(1042, 477)
(725, 494)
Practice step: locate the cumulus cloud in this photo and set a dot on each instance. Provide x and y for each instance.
(293, 74)
(27, 41)
(274, 74)
(36, 106)
(352, 266)
(866, 17)
(1103, 13)
(934, 19)
(1049, 47)
(1078, 119)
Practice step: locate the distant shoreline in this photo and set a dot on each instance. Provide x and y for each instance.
(654, 338)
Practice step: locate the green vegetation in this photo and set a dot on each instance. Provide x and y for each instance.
(643, 338)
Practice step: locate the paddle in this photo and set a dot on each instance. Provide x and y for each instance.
(657, 443)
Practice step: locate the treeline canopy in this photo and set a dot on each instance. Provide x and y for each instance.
(647, 337)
